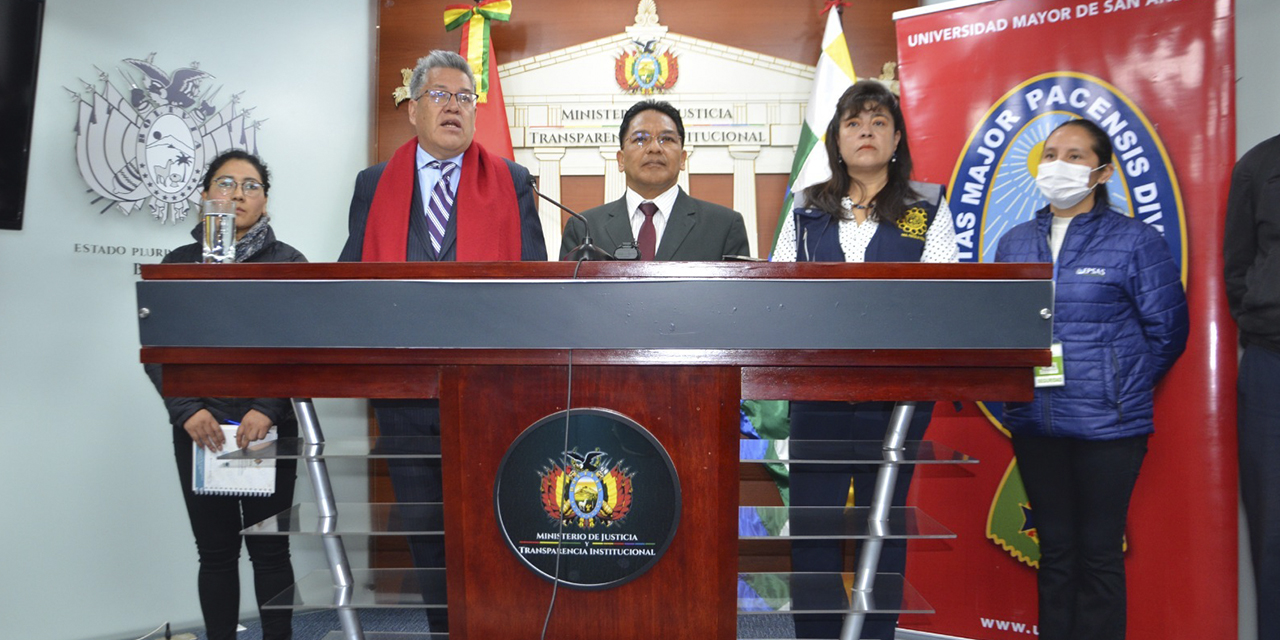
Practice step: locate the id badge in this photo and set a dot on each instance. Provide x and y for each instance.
(1052, 375)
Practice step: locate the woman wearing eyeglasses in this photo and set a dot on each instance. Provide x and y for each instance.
(869, 210)
(1120, 320)
(218, 520)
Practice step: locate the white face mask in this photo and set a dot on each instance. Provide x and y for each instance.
(1064, 184)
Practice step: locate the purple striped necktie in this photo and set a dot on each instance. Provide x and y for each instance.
(440, 203)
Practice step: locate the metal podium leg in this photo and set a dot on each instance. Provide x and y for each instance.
(334, 551)
(878, 522)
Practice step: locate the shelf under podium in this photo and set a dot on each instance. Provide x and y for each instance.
(807, 451)
(836, 523)
(754, 523)
(372, 447)
(758, 593)
(848, 452)
(389, 635)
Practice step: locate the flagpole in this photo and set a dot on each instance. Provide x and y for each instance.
(833, 74)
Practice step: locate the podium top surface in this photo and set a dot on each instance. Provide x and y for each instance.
(617, 306)
(588, 270)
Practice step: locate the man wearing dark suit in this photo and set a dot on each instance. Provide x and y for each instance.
(655, 215)
(444, 116)
(439, 198)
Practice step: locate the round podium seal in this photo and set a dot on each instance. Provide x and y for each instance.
(595, 491)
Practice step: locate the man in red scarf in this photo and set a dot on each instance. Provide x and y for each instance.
(441, 196)
(488, 208)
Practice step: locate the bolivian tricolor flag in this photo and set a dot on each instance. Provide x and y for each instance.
(492, 130)
(833, 75)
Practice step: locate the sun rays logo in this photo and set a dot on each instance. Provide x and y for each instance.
(151, 145)
(641, 70)
(993, 187)
(586, 490)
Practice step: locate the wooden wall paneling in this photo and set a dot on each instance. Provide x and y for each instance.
(712, 187)
(580, 193)
(771, 190)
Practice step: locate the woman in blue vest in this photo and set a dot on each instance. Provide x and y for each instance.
(1120, 318)
(868, 211)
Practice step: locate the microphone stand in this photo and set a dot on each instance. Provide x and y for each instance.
(584, 251)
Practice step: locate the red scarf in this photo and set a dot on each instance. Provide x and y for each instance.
(487, 212)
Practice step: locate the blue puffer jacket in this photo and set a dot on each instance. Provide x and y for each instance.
(1121, 314)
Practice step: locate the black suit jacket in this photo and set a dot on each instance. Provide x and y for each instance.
(533, 246)
(696, 230)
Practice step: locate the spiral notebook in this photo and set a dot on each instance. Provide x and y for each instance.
(248, 477)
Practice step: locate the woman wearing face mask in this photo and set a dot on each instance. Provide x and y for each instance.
(218, 520)
(868, 211)
(1120, 319)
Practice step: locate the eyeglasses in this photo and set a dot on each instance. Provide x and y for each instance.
(465, 98)
(226, 186)
(641, 139)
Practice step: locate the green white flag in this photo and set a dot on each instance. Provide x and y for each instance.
(832, 77)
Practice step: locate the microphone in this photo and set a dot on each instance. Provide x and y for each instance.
(584, 251)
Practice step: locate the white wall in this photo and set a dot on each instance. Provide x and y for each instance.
(1257, 75)
(95, 541)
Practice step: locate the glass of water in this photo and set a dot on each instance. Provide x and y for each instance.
(219, 219)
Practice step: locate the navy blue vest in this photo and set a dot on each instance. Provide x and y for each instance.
(818, 234)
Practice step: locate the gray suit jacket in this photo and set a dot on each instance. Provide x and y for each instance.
(696, 230)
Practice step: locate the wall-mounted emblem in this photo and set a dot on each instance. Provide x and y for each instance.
(643, 70)
(150, 145)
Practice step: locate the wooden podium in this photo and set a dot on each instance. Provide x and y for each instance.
(673, 346)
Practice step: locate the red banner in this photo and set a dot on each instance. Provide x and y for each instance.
(982, 86)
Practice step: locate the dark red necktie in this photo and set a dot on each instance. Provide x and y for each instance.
(648, 240)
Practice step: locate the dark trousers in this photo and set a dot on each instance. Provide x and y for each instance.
(217, 522)
(1258, 426)
(827, 485)
(1079, 492)
(418, 480)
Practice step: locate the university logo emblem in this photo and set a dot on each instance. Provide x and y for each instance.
(641, 70)
(151, 145)
(586, 490)
(1011, 521)
(993, 187)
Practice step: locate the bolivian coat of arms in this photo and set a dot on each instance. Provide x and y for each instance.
(645, 71)
(586, 490)
(151, 144)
